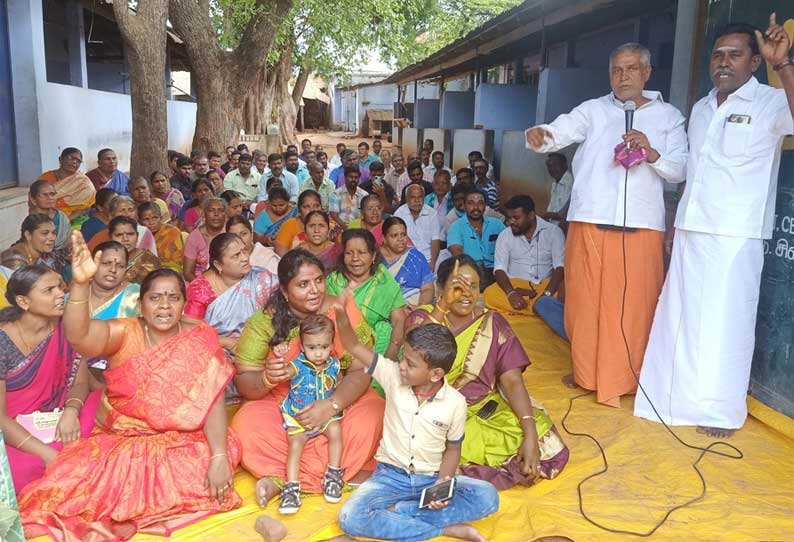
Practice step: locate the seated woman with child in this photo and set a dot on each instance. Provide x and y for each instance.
(262, 379)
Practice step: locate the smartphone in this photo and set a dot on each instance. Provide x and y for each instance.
(442, 492)
(378, 180)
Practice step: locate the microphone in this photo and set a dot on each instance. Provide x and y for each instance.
(628, 109)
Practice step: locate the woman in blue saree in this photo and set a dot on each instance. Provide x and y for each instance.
(406, 264)
(277, 211)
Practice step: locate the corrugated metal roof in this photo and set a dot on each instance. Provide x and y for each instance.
(522, 30)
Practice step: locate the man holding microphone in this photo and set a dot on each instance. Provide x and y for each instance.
(602, 242)
(697, 366)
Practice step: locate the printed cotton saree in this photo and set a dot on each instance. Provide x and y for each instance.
(143, 468)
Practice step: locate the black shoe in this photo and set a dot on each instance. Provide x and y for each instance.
(290, 498)
(332, 484)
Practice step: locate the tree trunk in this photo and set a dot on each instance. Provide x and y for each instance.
(300, 84)
(224, 78)
(145, 40)
(268, 97)
(252, 111)
(287, 112)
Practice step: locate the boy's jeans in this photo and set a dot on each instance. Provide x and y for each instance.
(366, 512)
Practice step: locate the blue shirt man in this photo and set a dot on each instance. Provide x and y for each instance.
(289, 181)
(349, 158)
(476, 234)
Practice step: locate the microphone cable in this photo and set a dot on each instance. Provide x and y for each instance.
(732, 453)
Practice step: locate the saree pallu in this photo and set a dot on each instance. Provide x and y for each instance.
(74, 195)
(264, 223)
(143, 468)
(227, 313)
(170, 246)
(141, 265)
(291, 233)
(260, 423)
(63, 229)
(41, 381)
(487, 347)
(175, 201)
(57, 260)
(329, 255)
(123, 305)
(10, 525)
(411, 271)
(376, 298)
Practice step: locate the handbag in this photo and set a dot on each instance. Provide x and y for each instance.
(41, 424)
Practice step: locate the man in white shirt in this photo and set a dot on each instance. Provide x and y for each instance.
(336, 160)
(560, 189)
(697, 365)
(422, 223)
(600, 237)
(436, 165)
(244, 180)
(528, 266)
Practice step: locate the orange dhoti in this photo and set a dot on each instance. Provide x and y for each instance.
(594, 281)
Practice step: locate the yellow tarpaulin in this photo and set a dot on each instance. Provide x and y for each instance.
(747, 500)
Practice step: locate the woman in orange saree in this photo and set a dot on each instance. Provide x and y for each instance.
(263, 379)
(161, 456)
(74, 192)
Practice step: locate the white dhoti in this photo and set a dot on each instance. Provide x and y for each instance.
(697, 363)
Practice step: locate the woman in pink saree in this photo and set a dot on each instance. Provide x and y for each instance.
(39, 372)
(160, 456)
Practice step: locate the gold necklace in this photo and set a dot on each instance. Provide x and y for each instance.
(22, 335)
(149, 342)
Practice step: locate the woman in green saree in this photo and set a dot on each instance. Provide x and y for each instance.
(375, 291)
(510, 438)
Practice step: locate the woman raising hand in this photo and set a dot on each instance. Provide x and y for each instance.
(160, 414)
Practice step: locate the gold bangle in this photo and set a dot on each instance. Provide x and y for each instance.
(19, 446)
(267, 382)
(527, 417)
(218, 455)
(73, 302)
(82, 404)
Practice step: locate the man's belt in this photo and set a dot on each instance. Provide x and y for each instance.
(610, 227)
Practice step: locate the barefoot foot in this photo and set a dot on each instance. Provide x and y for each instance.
(569, 381)
(716, 432)
(266, 489)
(464, 532)
(271, 529)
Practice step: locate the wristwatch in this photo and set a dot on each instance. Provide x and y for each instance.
(547, 293)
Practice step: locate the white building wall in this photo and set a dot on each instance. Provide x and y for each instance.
(92, 120)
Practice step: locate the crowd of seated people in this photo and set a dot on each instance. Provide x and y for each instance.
(136, 309)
